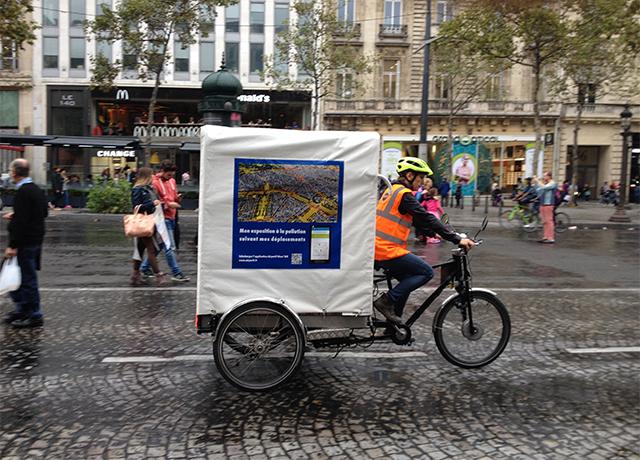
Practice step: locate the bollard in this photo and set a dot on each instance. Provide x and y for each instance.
(486, 205)
(462, 202)
(473, 202)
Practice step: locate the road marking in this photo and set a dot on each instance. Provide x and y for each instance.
(314, 354)
(604, 350)
(549, 290)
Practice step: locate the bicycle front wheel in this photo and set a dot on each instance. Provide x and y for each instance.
(472, 336)
(531, 222)
(562, 221)
(259, 346)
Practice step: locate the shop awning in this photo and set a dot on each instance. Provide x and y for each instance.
(190, 146)
(96, 141)
(20, 140)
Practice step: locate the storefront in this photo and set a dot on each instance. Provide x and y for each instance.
(504, 154)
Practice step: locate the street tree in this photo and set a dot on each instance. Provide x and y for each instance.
(318, 45)
(539, 32)
(16, 26)
(463, 71)
(602, 60)
(146, 28)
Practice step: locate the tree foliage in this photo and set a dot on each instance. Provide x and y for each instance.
(110, 198)
(16, 27)
(146, 28)
(318, 45)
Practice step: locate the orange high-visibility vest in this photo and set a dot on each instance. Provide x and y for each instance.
(392, 228)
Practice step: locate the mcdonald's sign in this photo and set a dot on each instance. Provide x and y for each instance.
(122, 95)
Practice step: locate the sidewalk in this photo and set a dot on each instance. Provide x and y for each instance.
(585, 215)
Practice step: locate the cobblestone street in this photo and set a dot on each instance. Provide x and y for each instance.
(545, 397)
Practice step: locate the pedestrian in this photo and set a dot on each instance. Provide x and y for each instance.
(143, 195)
(547, 198)
(186, 178)
(56, 186)
(65, 189)
(105, 176)
(432, 205)
(458, 193)
(166, 188)
(26, 233)
(444, 188)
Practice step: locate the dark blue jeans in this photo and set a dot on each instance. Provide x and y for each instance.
(411, 272)
(27, 297)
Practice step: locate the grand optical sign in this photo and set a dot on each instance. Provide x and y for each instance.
(466, 140)
(116, 153)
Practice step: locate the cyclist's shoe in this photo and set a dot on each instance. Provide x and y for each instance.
(385, 306)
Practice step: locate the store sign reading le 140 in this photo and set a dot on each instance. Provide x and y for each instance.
(68, 100)
(116, 153)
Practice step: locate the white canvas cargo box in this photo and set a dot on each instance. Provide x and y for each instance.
(287, 215)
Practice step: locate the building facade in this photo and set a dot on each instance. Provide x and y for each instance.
(65, 104)
(501, 119)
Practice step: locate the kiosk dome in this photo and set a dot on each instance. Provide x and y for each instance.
(220, 104)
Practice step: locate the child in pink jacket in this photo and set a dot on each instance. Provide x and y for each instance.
(432, 205)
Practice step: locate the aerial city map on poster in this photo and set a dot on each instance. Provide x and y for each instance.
(287, 214)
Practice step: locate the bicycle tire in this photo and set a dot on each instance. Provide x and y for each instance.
(259, 346)
(562, 221)
(510, 221)
(459, 328)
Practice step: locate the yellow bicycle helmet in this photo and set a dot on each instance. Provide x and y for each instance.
(414, 164)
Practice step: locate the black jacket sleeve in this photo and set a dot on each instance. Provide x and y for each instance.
(425, 220)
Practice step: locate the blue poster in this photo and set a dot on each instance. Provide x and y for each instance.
(464, 167)
(287, 214)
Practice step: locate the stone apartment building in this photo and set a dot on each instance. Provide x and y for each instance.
(393, 30)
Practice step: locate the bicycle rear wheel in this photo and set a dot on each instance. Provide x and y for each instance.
(259, 346)
(562, 221)
(466, 347)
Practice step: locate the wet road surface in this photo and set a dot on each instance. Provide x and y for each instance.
(538, 400)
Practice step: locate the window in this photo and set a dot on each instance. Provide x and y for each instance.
(256, 17)
(50, 52)
(103, 48)
(441, 87)
(390, 79)
(344, 84)
(232, 18)
(102, 5)
(392, 13)
(129, 60)
(9, 114)
(346, 11)
(587, 93)
(444, 11)
(280, 61)
(256, 51)
(207, 58)
(495, 88)
(207, 20)
(8, 56)
(281, 16)
(180, 57)
(50, 13)
(76, 13)
(232, 54)
(76, 53)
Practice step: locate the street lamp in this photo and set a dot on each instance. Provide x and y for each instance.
(625, 122)
(424, 112)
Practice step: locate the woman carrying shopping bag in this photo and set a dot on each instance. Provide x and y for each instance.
(145, 201)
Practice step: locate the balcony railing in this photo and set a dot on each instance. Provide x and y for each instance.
(393, 31)
(348, 31)
(167, 130)
(437, 106)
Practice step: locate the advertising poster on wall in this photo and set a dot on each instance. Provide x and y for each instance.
(391, 153)
(464, 167)
(287, 214)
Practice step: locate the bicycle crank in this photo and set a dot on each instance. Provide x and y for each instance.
(401, 334)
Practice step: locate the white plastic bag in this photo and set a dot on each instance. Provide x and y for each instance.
(10, 277)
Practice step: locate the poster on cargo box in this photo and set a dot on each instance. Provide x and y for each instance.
(287, 214)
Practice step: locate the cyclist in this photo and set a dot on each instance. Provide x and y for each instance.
(397, 211)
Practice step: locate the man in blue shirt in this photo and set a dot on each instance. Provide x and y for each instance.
(443, 189)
